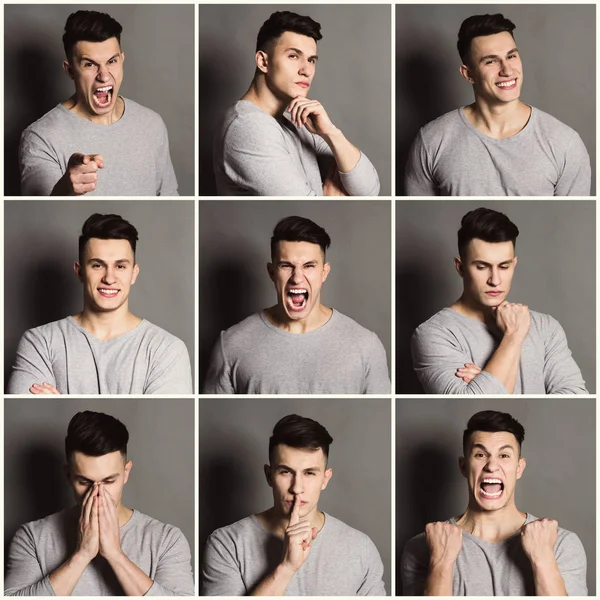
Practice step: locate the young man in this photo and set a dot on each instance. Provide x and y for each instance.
(99, 547)
(96, 142)
(483, 344)
(497, 146)
(276, 141)
(105, 349)
(293, 548)
(494, 549)
(298, 346)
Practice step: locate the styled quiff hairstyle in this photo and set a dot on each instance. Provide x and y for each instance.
(107, 227)
(487, 225)
(493, 421)
(89, 26)
(300, 432)
(299, 229)
(478, 25)
(280, 22)
(95, 434)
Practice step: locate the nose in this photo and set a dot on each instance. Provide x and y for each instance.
(103, 73)
(491, 465)
(109, 276)
(297, 276)
(297, 486)
(306, 68)
(495, 279)
(506, 68)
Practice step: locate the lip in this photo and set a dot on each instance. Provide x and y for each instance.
(303, 84)
(507, 88)
(291, 502)
(494, 294)
(487, 497)
(104, 295)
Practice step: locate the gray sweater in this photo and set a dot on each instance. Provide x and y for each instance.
(40, 547)
(135, 151)
(450, 157)
(258, 155)
(448, 340)
(495, 569)
(145, 360)
(342, 561)
(255, 357)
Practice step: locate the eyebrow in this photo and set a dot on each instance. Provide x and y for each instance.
(282, 466)
(298, 51)
(86, 59)
(482, 447)
(497, 55)
(117, 262)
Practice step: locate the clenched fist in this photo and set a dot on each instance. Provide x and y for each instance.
(538, 539)
(444, 541)
(513, 319)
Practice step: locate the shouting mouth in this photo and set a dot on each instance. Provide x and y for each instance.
(491, 489)
(103, 96)
(296, 299)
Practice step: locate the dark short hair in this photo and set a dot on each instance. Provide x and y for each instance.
(95, 434)
(299, 229)
(300, 432)
(107, 227)
(487, 225)
(478, 25)
(493, 421)
(89, 26)
(280, 22)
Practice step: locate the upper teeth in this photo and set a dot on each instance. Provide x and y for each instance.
(491, 481)
(298, 291)
(506, 83)
(105, 89)
(104, 291)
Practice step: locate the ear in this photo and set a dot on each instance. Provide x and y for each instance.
(521, 467)
(78, 271)
(458, 265)
(267, 469)
(515, 262)
(262, 61)
(128, 466)
(67, 68)
(462, 465)
(122, 57)
(464, 71)
(326, 269)
(136, 272)
(326, 477)
(271, 271)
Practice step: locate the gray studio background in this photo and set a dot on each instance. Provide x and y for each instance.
(234, 440)
(559, 480)
(555, 274)
(352, 81)
(40, 247)
(161, 446)
(158, 41)
(235, 247)
(557, 43)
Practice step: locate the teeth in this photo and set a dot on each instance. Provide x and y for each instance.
(298, 291)
(506, 83)
(105, 89)
(491, 481)
(110, 292)
(492, 495)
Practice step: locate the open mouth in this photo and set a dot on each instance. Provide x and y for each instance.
(297, 299)
(491, 489)
(107, 292)
(103, 96)
(507, 85)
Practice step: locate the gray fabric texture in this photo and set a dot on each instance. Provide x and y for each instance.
(342, 561)
(40, 547)
(258, 155)
(448, 340)
(135, 151)
(145, 360)
(255, 357)
(495, 569)
(450, 157)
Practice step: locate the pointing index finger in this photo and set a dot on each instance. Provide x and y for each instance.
(295, 515)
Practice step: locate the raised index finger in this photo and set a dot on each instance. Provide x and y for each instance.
(295, 515)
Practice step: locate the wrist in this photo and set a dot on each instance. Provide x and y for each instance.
(284, 571)
(333, 136)
(82, 558)
(442, 565)
(543, 560)
(114, 557)
(516, 337)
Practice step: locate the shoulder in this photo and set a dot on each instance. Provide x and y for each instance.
(416, 547)
(232, 534)
(544, 323)
(350, 327)
(435, 130)
(244, 122)
(48, 330)
(47, 526)
(551, 125)
(351, 536)
(136, 111)
(158, 336)
(442, 321)
(157, 529)
(246, 329)
(47, 123)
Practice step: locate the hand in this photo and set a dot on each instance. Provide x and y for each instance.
(468, 372)
(444, 541)
(82, 172)
(43, 388)
(108, 520)
(513, 319)
(312, 115)
(332, 186)
(538, 539)
(88, 533)
(298, 538)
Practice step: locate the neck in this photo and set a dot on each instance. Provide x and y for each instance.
(492, 526)
(317, 317)
(500, 119)
(277, 523)
(109, 118)
(107, 325)
(474, 311)
(260, 95)
(124, 514)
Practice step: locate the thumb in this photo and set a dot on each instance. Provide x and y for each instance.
(77, 158)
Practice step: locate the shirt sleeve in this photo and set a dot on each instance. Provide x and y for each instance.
(437, 355)
(377, 380)
(24, 575)
(218, 377)
(39, 165)
(167, 181)
(372, 584)
(170, 371)
(572, 564)
(221, 574)
(576, 177)
(173, 575)
(32, 365)
(414, 567)
(561, 373)
(418, 179)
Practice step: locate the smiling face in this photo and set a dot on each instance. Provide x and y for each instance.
(487, 271)
(298, 271)
(97, 71)
(109, 470)
(107, 271)
(492, 467)
(297, 472)
(289, 66)
(495, 68)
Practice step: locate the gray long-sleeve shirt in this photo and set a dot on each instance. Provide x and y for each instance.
(448, 340)
(256, 154)
(450, 157)
(255, 357)
(40, 547)
(342, 561)
(495, 569)
(145, 360)
(135, 151)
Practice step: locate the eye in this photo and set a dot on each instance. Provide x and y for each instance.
(88, 64)
(292, 56)
(112, 60)
(96, 265)
(312, 60)
(505, 267)
(480, 267)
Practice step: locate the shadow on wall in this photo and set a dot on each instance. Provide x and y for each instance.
(423, 472)
(43, 296)
(35, 96)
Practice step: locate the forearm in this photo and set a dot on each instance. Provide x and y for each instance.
(345, 153)
(62, 187)
(504, 363)
(131, 578)
(276, 583)
(439, 580)
(65, 578)
(547, 579)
